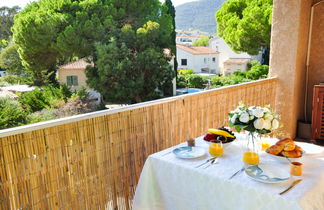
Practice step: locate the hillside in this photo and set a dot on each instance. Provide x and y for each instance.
(198, 15)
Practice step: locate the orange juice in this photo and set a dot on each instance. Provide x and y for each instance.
(265, 145)
(251, 158)
(216, 149)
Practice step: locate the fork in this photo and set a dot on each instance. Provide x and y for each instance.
(211, 159)
(212, 163)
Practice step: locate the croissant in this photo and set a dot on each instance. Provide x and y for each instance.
(292, 154)
(289, 144)
(275, 149)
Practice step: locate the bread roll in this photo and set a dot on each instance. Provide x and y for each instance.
(289, 144)
(275, 149)
(292, 154)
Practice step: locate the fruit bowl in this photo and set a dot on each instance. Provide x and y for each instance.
(222, 134)
(225, 144)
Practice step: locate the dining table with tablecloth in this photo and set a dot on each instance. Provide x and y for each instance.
(171, 183)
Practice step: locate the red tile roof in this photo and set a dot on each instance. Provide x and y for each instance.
(79, 64)
(197, 50)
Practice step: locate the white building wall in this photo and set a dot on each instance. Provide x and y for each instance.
(197, 62)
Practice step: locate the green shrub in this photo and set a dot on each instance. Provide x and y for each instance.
(197, 81)
(66, 92)
(14, 79)
(258, 71)
(11, 113)
(185, 71)
(181, 81)
(34, 100)
(40, 116)
(82, 93)
(4, 84)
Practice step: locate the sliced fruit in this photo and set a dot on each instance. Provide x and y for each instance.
(209, 137)
(220, 132)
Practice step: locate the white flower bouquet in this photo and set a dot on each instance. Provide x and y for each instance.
(254, 119)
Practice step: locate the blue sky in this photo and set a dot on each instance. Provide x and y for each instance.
(22, 3)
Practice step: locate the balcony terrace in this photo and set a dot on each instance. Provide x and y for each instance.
(93, 161)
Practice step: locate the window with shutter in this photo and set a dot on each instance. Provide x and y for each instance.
(318, 112)
(72, 80)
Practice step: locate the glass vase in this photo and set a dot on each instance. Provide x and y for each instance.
(251, 150)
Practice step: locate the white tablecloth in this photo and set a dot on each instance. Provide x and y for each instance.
(170, 183)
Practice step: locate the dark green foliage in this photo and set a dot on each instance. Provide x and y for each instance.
(49, 33)
(245, 25)
(257, 71)
(43, 115)
(34, 100)
(197, 81)
(203, 41)
(6, 21)
(47, 97)
(11, 113)
(172, 12)
(131, 66)
(182, 81)
(81, 93)
(10, 60)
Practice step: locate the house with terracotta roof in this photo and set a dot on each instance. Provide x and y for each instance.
(230, 61)
(73, 74)
(186, 39)
(200, 59)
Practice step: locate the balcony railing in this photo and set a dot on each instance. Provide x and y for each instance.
(93, 161)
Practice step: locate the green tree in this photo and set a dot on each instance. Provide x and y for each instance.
(171, 12)
(245, 24)
(10, 60)
(202, 41)
(6, 21)
(52, 32)
(129, 68)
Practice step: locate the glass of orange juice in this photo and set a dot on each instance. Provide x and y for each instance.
(216, 148)
(251, 158)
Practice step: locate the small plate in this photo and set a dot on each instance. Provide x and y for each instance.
(311, 149)
(189, 152)
(267, 173)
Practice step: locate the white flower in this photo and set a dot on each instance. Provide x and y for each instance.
(258, 112)
(267, 124)
(266, 110)
(244, 117)
(259, 123)
(251, 117)
(268, 117)
(233, 118)
(275, 124)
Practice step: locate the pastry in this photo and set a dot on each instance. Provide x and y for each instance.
(289, 144)
(275, 149)
(292, 154)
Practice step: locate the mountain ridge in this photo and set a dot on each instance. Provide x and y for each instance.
(198, 15)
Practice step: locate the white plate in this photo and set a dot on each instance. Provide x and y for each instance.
(267, 173)
(284, 159)
(189, 152)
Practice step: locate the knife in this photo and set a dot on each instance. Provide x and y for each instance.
(237, 172)
(291, 186)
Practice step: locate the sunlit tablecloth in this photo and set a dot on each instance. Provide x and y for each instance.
(170, 183)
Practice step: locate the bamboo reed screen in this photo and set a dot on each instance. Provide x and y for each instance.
(96, 163)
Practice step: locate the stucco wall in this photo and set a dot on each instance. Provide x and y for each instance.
(231, 68)
(316, 59)
(289, 37)
(73, 72)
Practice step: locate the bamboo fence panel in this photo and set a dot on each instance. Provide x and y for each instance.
(95, 163)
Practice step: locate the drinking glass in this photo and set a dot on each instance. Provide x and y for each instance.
(216, 148)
